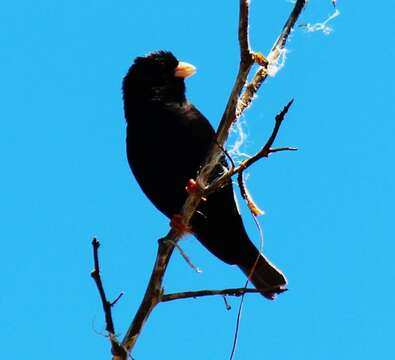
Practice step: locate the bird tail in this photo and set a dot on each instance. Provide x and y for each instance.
(265, 277)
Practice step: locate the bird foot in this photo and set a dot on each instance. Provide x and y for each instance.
(194, 187)
(177, 224)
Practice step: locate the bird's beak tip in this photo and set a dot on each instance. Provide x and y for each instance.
(184, 70)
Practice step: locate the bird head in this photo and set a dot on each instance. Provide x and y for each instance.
(158, 76)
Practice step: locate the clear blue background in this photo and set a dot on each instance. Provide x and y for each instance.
(329, 207)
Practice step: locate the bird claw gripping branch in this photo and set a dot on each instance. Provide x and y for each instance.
(194, 187)
(177, 224)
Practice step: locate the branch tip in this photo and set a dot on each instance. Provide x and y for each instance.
(227, 306)
(95, 243)
(280, 116)
(122, 293)
(274, 150)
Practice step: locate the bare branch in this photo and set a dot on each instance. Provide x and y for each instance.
(282, 39)
(153, 293)
(107, 306)
(263, 152)
(266, 149)
(262, 72)
(201, 293)
(244, 41)
(95, 274)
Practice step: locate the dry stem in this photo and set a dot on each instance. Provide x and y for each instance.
(116, 349)
(222, 292)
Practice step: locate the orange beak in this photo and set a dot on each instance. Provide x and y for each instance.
(184, 70)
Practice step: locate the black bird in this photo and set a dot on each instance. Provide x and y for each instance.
(167, 141)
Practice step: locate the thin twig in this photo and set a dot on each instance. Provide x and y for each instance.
(267, 148)
(95, 274)
(117, 298)
(200, 293)
(186, 257)
(274, 150)
(227, 155)
(227, 306)
(263, 152)
(116, 349)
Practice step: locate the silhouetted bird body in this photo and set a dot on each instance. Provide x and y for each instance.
(167, 141)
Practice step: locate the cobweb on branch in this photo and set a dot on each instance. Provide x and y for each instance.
(275, 66)
(321, 26)
(239, 136)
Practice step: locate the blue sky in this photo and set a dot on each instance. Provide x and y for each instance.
(65, 178)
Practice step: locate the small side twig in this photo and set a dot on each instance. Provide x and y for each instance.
(227, 306)
(116, 349)
(267, 148)
(287, 148)
(117, 298)
(263, 152)
(99, 283)
(186, 257)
